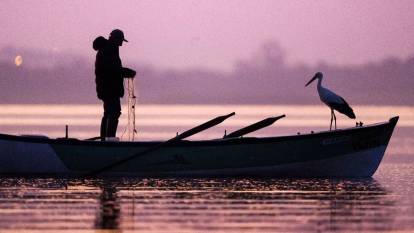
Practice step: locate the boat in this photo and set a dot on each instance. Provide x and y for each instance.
(348, 152)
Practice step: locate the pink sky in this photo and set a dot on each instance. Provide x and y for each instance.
(213, 33)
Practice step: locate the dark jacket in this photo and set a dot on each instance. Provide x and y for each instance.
(108, 70)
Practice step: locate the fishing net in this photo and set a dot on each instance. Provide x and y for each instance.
(130, 128)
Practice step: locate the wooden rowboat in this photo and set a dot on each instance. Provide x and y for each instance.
(350, 152)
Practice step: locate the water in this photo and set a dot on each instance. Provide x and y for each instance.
(384, 203)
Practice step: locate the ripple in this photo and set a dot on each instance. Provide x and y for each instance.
(206, 205)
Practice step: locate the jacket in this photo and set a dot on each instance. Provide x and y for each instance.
(108, 70)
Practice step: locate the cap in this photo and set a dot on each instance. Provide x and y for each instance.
(118, 34)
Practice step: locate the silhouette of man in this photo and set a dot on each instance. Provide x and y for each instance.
(109, 79)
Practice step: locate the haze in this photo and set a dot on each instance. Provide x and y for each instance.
(215, 34)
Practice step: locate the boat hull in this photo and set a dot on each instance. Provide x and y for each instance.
(353, 152)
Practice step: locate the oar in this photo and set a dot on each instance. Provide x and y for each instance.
(179, 137)
(94, 138)
(256, 126)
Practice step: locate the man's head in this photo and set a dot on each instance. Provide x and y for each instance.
(117, 36)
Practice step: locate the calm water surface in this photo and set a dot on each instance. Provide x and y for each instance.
(384, 203)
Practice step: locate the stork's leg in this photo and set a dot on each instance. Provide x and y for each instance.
(334, 118)
(330, 127)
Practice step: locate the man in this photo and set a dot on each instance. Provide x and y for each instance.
(109, 79)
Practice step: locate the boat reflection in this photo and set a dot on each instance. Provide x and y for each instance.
(230, 205)
(251, 204)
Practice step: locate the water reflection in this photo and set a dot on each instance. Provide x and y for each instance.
(109, 209)
(227, 205)
(163, 121)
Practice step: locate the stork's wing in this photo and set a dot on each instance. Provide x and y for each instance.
(343, 108)
(327, 96)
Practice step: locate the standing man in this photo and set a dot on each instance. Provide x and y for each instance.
(109, 79)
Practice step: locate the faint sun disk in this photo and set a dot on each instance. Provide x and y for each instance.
(18, 60)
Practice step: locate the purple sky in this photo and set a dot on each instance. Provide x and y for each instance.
(213, 33)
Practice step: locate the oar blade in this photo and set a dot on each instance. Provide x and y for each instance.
(254, 127)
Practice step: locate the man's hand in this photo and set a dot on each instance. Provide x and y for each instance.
(128, 73)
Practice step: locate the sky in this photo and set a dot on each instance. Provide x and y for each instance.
(215, 33)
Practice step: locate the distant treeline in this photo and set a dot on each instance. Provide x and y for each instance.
(265, 78)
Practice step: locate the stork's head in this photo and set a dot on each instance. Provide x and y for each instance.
(318, 75)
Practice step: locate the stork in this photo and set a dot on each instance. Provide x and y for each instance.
(334, 101)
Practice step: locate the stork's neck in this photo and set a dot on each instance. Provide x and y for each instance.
(319, 82)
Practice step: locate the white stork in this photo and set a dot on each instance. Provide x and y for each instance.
(334, 101)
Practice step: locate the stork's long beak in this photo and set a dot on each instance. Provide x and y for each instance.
(314, 77)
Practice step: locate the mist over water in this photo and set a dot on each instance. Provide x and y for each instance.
(265, 77)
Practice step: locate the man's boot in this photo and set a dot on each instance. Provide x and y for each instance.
(103, 128)
(112, 125)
